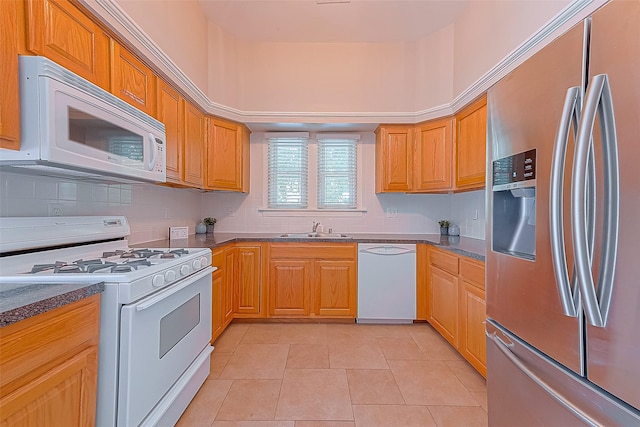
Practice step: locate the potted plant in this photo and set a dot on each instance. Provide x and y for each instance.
(444, 226)
(209, 222)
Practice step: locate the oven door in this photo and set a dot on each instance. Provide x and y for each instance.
(160, 337)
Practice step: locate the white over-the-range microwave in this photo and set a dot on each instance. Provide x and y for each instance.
(71, 127)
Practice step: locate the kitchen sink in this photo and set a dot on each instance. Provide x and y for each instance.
(315, 236)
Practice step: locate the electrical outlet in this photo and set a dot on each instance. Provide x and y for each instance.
(231, 212)
(55, 209)
(392, 212)
(475, 214)
(178, 232)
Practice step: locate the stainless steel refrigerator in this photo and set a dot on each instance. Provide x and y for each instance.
(563, 256)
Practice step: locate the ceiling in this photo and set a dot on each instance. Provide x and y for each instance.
(332, 21)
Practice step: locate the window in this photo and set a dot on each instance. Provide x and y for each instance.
(288, 175)
(337, 173)
(318, 173)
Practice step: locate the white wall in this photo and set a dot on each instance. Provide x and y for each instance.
(150, 208)
(180, 29)
(417, 213)
(487, 31)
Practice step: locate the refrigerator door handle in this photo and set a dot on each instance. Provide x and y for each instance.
(598, 100)
(560, 398)
(568, 121)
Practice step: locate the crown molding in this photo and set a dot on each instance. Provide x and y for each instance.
(118, 21)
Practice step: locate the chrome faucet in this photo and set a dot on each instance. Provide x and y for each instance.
(316, 224)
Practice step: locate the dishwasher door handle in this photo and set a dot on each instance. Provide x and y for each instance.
(387, 250)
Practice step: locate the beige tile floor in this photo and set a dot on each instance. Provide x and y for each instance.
(337, 375)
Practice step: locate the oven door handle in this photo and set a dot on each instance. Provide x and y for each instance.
(156, 298)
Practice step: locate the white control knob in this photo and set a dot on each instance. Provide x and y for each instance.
(204, 261)
(184, 270)
(196, 264)
(170, 276)
(158, 280)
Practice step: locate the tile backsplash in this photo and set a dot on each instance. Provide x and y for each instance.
(152, 209)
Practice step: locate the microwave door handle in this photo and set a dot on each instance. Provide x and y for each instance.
(568, 120)
(154, 152)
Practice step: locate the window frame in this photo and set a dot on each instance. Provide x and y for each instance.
(312, 170)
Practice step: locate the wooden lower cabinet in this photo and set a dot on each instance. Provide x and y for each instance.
(237, 285)
(219, 286)
(335, 294)
(248, 281)
(473, 313)
(455, 301)
(217, 313)
(444, 304)
(312, 280)
(49, 366)
(289, 287)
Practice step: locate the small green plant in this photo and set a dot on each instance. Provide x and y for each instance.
(444, 223)
(209, 221)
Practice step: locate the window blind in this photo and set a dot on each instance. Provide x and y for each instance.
(288, 174)
(337, 173)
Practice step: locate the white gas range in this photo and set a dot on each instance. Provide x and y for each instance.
(155, 315)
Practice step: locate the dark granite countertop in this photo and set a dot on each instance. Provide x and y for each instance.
(19, 301)
(472, 248)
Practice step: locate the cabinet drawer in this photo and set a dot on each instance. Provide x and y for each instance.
(472, 272)
(445, 261)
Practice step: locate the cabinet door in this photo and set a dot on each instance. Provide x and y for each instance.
(433, 156)
(225, 155)
(9, 97)
(194, 128)
(65, 396)
(471, 134)
(423, 308)
(230, 275)
(289, 286)
(217, 310)
(247, 291)
(472, 326)
(335, 288)
(131, 80)
(60, 31)
(170, 111)
(444, 303)
(394, 158)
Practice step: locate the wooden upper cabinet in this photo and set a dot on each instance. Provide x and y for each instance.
(60, 31)
(394, 158)
(170, 111)
(194, 135)
(131, 80)
(9, 96)
(471, 141)
(433, 156)
(227, 156)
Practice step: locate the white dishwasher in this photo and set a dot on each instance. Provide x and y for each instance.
(386, 283)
